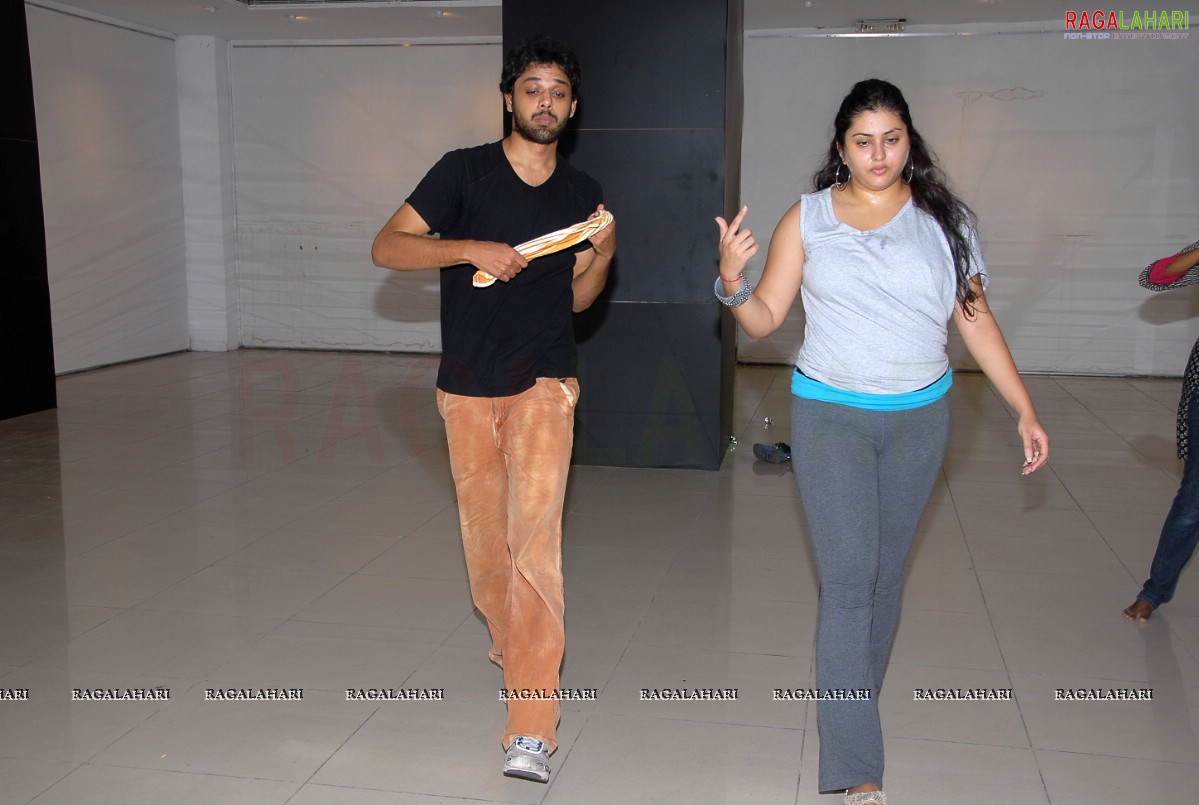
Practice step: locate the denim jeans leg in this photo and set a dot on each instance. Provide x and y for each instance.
(1179, 534)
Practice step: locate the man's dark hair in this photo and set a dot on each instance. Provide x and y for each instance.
(539, 50)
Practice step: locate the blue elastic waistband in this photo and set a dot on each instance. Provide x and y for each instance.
(809, 389)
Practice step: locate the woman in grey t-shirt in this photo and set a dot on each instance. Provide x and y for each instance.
(884, 255)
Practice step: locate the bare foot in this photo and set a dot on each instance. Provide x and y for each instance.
(1138, 611)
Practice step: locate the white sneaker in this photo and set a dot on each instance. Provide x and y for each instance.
(529, 759)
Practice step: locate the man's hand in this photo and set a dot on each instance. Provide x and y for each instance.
(604, 241)
(591, 265)
(497, 259)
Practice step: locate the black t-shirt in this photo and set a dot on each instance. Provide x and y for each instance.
(497, 341)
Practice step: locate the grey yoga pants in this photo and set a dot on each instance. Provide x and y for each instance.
(865, 478)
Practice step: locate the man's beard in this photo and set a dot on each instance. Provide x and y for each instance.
(534, 133)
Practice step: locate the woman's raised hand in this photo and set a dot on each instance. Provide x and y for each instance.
(737, 246)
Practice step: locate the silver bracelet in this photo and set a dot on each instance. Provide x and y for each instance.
(737, 299)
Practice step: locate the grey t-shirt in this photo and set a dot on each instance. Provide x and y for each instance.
(877, 303)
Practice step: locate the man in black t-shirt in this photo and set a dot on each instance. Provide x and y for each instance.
(505, 387)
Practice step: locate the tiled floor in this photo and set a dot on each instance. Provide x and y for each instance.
(286, 520)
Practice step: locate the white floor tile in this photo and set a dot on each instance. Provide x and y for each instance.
(1161, 728)
(1102, 648)
(25, 778)
(661, 760)
(909, 707)
(1084, 779)
(313, 794)
(294, 550)
(58, 725)
(106, 785)
(229, 520)
(946, 639)
(434, 604)
(267, 740)
(310, 659)
(244, 591)
(177, 645)
(644, 673)
(404, 750)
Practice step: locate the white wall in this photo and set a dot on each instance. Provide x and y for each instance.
(1079, 156)
(328, 142)
(209, 213)
(1081, 159)
(325, 142)
(108, 136)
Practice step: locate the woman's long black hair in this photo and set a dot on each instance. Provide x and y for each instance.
(930, 188)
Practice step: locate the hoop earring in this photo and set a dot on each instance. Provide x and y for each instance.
(910, 171)
(837, 176)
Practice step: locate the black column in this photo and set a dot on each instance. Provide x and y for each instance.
(659, 126)
(26, 343)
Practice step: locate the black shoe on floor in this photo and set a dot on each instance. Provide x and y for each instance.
(777, 453)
